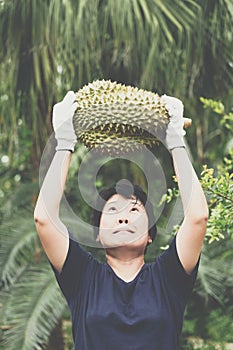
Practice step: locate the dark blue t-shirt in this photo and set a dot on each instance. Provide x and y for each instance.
(111, 314)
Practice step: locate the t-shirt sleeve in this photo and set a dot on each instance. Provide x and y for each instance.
(176, 278)
(74, 268)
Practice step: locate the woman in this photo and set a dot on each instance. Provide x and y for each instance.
(124, 303)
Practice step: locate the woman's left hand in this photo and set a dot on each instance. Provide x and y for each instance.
(175, 132)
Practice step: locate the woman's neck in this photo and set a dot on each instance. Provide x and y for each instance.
(125, 265)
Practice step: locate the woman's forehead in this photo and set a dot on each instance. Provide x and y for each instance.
(119, 198)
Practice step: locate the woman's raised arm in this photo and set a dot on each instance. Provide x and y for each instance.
(52, 232)
(191, 234)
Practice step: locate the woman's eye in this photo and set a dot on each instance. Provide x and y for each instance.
(134, 209)
(112, 209)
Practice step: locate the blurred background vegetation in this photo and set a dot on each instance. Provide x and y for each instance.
(181, 48)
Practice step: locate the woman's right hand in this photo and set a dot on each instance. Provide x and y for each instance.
(63, 122)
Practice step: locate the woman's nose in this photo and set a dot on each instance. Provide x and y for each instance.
(123, 221)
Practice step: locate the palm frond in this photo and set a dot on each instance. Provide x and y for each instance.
(147, 29)
(19, 244)
(17, 259)
(210, 282)
(215, 273)
(32, 309)
(31, 301)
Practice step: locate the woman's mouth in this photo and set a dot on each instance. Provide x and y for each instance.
(123, 230)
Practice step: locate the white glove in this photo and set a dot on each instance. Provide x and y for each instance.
(63, 122)
(175, 132)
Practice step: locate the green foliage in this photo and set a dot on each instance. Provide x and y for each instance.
(220, 190)
(197, 344)
(31, 302)
(216, 106)
(219, 108)
(32, 309)
(68, 339)
(220, 186)
(220, 326)
(212, 129)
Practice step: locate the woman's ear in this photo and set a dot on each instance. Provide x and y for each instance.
(149, 240)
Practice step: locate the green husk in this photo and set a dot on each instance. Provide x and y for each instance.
(115, 119)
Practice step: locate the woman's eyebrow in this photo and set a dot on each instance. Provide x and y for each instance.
(136, 201)
(111, 201)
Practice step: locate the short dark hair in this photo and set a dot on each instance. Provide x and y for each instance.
(126, 190)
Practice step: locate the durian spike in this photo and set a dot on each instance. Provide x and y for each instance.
(115, 118)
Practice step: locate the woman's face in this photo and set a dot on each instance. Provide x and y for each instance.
(123, 222)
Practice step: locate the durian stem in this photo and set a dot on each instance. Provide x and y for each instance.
(187, 123)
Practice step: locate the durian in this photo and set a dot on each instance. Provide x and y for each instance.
(116, 119)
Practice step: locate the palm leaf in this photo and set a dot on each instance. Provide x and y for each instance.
(19, 243)
(215, 273)
(210, 281)
(32, 309)
(31, 301)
